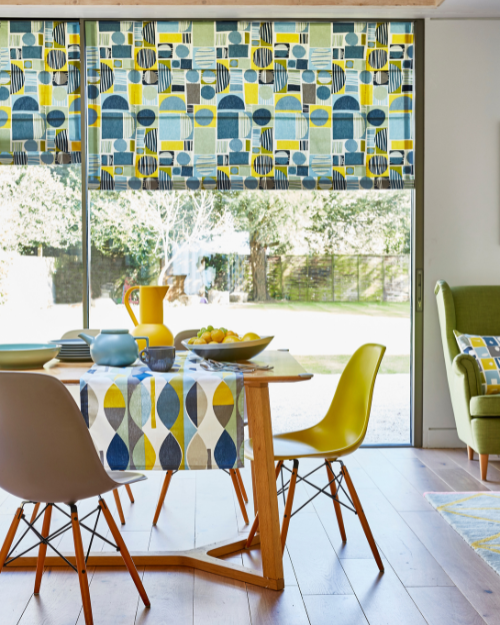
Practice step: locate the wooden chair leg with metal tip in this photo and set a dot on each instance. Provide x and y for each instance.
(9, 539)
(35, 512)
(362, 517)
(129, 493)
(42, 550)
(119, 508)
(289, 504)
(164, 489)
(81, 569)
(129, 563)
(333, 490)
(242, 486)
(239, 494)
(255, 524)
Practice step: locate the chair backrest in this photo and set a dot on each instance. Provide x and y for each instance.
(468, 309)
(46, 451)
(73, 334)
(182, 336)
(350, 409)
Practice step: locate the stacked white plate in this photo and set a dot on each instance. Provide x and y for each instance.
(73, 350)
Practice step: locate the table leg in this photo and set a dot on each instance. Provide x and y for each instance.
(259, 416)
(252, 472)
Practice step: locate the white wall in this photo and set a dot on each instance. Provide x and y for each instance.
(462, 186)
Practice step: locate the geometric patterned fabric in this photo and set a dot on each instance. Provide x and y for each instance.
(486, 351)
(476, 517)
(235, 105)
(185, 419)
(40, 104)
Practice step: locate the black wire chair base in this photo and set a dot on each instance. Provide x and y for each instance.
(56, 534)
(337, 480)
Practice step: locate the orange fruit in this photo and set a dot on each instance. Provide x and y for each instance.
(231, 333)
(206, 336)
(230, 339)
(251, 336)
(199, 342)
(217, 336)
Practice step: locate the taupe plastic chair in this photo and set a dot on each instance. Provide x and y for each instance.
(74, 334)
(182, 336)
(47, 454)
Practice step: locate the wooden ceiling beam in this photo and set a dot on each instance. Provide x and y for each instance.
(379, 4)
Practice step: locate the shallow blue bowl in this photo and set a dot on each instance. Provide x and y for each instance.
(26, 355)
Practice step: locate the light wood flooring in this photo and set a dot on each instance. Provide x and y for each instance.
(431, 576)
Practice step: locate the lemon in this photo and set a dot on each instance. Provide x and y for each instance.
(192, 340)
(206, 336)
(213, 343)
(251, 336)
(230, 339)
(199, 342)
(217, 336)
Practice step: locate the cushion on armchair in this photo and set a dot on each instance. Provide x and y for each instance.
(486, 351)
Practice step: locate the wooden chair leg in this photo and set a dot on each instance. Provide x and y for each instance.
(289, 504)
(242, 486)
(119, 508)
(239, 495)
(42, 550)
(35, 512)
(362, 517)
(129, 493)
(255, 524)
(164, 488)
(9, 539)
(483, 465)
(470, 452)
(81, 568)
(129, 563)
(333, 490)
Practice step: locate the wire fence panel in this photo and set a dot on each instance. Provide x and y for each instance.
(337, 278)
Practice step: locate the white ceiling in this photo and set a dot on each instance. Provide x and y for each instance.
(448, 9)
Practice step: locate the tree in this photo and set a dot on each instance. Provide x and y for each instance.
(41, 206)
(153, 223)
(360, 222)
(271, 220)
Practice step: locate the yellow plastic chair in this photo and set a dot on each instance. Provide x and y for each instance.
(338, 434)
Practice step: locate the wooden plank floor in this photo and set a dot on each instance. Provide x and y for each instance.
(432, 576)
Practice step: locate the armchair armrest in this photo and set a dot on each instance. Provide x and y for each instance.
(466, 367)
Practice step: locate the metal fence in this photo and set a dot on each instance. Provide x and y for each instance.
(336, 278)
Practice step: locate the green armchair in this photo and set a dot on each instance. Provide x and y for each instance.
(471, 310)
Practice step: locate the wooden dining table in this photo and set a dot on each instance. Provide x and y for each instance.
(285, 369)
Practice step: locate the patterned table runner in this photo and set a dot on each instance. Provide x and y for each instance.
(187, 418)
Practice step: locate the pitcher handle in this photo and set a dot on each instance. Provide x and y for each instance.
(127, 304)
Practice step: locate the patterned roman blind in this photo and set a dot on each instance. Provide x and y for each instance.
(248, 105)
(40, 104)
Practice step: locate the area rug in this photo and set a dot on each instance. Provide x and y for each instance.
(476, 517)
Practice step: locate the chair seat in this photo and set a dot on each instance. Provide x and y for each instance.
(293, 445)
(485, 406)
(123, 478)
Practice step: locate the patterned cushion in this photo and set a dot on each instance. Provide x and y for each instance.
(486, 351)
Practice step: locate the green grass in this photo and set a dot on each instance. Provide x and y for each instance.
(378, 309)
(336, 364)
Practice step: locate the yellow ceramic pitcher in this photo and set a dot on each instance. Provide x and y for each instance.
(150, 314)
